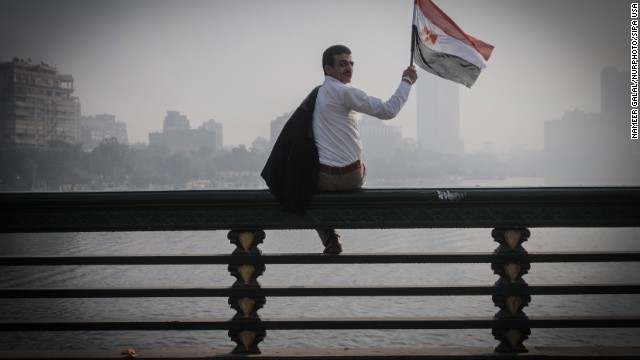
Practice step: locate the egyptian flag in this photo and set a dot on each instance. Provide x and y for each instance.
(443, 49)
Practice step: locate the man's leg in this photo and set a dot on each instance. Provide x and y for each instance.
(338, 182)
(330, 240)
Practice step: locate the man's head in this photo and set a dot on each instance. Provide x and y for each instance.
(337, 63)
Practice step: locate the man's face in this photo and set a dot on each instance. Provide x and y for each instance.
(342, 68)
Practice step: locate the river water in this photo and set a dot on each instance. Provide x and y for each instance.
(298, 241)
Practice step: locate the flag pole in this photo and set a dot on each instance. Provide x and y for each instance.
(413, 33)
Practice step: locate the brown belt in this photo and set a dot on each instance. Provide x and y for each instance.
(340, 170)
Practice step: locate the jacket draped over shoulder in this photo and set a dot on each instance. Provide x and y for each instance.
(291, 171)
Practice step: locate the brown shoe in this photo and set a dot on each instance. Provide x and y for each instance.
(333, 245)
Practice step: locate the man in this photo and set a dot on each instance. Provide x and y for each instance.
(335, 128)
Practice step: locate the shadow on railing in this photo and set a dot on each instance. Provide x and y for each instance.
(247, 214)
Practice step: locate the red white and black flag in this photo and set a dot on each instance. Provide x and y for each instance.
(443, 49)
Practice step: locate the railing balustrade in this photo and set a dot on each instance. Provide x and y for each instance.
(250, 214)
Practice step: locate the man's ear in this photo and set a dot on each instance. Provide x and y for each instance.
(327, 68)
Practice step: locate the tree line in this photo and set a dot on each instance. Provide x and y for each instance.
(112, 165)
(64, 166)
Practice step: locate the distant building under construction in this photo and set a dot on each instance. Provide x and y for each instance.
(37, 105)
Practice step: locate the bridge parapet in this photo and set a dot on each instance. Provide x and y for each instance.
(248, 215)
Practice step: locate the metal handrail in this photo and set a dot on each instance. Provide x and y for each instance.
(252, 211)
(378, 208)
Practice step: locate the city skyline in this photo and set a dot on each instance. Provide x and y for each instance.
(580, 148)
(241, 64)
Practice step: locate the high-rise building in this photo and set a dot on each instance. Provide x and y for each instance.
(216, 127)
(175, 121)
(379, 140)
(594, 149)
(277, 125)
(97, 128)
(37, 105)
(438, 124)
(573, 147)
(178, 135)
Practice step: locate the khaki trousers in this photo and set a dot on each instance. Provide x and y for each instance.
(339, 182)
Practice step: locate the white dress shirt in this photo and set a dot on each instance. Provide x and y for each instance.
(334, 118)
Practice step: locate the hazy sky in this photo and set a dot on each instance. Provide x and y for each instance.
(244, 63)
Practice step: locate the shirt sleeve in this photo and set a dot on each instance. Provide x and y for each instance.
(359, 101)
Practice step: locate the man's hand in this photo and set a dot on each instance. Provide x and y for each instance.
(410, 75)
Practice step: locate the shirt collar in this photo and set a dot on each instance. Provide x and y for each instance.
(329, 79)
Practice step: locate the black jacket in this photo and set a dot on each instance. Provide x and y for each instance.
(291, 172)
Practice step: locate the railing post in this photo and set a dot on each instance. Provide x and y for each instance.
(513, 294)
(247, 337)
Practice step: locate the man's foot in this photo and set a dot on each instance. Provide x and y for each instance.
(333, 245)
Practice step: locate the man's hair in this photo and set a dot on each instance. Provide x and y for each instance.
(327, 55)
